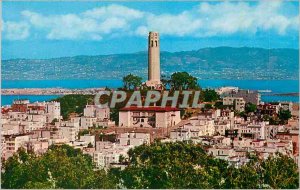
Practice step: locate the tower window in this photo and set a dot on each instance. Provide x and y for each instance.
(156, 43)
(151, 43)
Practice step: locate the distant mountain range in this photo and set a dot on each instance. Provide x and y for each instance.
(206, 63)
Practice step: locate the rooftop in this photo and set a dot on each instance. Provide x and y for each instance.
(152, 108)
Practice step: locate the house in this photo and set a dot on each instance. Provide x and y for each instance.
(104, 158)
(248, 95)
(181, 134)
(20, 106)
(14, 142)
(221, 152)
(156, 117)
(70, 133)
(88, 139)
(253, 130)
(268, 109)
(203, 123)
(221, 127)
(53, 111)
(95, 111)
(134, 138)
(86, 122)
(237, 102)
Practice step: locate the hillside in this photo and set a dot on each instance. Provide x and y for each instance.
(206, 63)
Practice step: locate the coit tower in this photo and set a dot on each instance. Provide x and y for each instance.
(153, 60)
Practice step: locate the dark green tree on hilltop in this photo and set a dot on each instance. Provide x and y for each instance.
(74, 103)
(183, 81)
(284, 115)
(130, 82)
(250, 108)
(209, 95)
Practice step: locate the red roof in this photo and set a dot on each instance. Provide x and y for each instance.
(5, 110)
(37, 107)
(151, 108)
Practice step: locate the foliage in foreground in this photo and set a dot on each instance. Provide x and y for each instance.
(184, 165)
(160, 165)
(60, 167)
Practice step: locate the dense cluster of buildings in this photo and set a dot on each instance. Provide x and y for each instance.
(36, 126)
(233, 138)
(224, 133)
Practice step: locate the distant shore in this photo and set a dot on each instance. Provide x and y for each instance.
(49, 91)
(285, 94)
(90, 91)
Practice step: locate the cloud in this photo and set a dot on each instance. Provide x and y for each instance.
(113, 11)
(229, 18)
(206, 19)
(15, 30)
(72, 26)
(92, 24)
(177, 25)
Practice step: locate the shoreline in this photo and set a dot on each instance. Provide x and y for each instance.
(294, 94)
(88, 91)
(49, 91)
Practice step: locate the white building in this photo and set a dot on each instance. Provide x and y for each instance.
(95, 111)
(10, 128)
(221, 153)
(203, 124)
(86, 122)
(105, 157)
(155, 117)
(53, 111)
(17, 116)
(70, 133)
(88, 139)
(134, 138)
(237, 102)
(182, 134)
(37, 118)
(221, 127)
(14, 142)
(255, 131)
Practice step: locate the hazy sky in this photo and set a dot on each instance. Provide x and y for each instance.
(55, 29)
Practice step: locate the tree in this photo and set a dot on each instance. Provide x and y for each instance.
(60, 167)
(90, 145)
(243, 115)
(219, 105)
(266, 117)
(74, 103)
(284, 115)
(208, 106)
(250, 108)
(83, 132)
(280, 172)
(172, 165)
(185, 165)
(130, 82)
(183, 81)
(114, 115)
(54, 121)
(245, 177)
(209, 95)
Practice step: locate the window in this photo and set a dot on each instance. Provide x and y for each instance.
(156, 43)
(151, 43)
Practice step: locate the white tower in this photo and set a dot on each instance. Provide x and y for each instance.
(153, 60)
